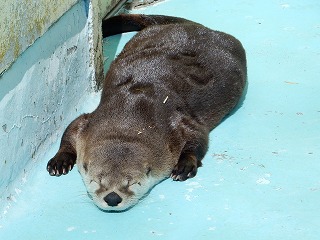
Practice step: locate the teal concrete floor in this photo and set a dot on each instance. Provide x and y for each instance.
(261, 176)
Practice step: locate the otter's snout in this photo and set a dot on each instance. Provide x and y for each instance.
(112, 199)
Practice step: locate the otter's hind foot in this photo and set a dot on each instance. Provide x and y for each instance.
(60, 164)
(186, 167)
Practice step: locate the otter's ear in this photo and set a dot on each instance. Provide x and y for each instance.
(83, 123)
(73, 131)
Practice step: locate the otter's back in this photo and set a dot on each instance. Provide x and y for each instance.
(199, 70)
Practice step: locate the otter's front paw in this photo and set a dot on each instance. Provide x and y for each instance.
(60, 164)
(186, 167)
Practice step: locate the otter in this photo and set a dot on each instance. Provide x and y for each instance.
(173, 82)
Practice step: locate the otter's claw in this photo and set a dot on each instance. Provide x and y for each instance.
(186, 168)
(60, 164)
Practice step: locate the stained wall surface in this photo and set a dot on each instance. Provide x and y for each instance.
(22, 22)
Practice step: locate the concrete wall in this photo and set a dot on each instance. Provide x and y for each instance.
(24, 21)
(42, 89)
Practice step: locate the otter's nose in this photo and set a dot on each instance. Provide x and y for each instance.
(112, 199)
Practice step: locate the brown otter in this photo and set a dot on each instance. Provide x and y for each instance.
(173, 82)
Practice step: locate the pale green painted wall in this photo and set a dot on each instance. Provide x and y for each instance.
(23, 21)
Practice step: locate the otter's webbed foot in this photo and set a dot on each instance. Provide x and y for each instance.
(61, 163)
(186, 167)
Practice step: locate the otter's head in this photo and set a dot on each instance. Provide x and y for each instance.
(117, 174)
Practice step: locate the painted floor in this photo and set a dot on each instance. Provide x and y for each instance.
(261, 176)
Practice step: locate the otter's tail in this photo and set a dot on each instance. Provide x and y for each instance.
(135, 22)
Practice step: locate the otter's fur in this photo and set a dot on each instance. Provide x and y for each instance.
(173, 82)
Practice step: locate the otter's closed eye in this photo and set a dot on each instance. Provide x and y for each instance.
(133, 183)
(148, 171)
(85, 166)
